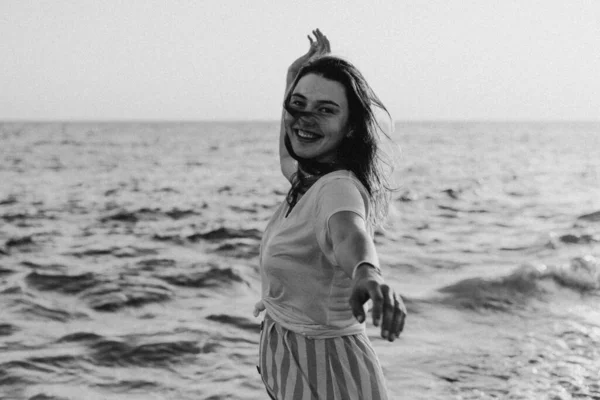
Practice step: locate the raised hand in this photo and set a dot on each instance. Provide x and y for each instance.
(318, 47)
(388, 307)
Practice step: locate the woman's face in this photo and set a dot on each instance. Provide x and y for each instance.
(318, 137)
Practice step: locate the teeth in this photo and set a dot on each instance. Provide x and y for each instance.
(306, 135)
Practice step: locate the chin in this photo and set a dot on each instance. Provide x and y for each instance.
(301, 149)
(305, 154)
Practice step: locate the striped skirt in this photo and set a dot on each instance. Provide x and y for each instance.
(294, 367)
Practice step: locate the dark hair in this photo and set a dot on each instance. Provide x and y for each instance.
(359, 151)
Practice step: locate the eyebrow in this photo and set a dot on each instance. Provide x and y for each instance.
(333, 103)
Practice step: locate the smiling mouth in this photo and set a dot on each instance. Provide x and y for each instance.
(306, 136)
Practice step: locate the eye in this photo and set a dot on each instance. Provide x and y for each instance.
(326, 110)
(296, 103)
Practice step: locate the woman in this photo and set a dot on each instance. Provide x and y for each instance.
(318, 260)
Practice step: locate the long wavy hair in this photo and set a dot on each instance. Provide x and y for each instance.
(360, 150)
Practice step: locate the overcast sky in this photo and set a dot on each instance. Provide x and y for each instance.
(223, 60)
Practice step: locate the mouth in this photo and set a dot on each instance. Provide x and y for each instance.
(306, 136)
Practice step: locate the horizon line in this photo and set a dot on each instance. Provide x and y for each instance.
(257, 120)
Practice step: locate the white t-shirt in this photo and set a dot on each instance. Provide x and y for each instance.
(303, 287)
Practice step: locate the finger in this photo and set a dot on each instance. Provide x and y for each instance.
(377, 297)
(321, 36)
(327, 44)
(398, 320)
(402, 319)
(321, 39)
(388, 311)
(403, 316)
(318, 41)
(357, 301)
(313, 46)
(324, 45)
(318, 34)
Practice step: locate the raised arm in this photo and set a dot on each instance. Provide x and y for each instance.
(318, 47)
(355, 251)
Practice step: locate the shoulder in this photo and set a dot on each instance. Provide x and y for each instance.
(341, 190)
(340, 180)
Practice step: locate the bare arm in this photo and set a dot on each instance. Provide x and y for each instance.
(355, 252)
(351, 242)
(318, 47)
(288, 164)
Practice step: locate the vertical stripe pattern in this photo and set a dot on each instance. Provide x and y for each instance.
(294, 367)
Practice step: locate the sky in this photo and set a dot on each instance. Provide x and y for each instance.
(227, 60)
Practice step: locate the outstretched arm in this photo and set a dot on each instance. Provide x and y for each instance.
(318, 47)
(355, 252)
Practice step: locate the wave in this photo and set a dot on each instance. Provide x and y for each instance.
(43, 396)
(585, 238)
(109, 352)
(7, 329)
(8, 200)
(222, 233)
(236, 321)
(581, 273)
(83, 351)
(591, 217)
(147, 214)
(128, 386)
(465, 210)
(6, 271)
(29, 213)
(524, 284)
(10, 377)
(239, 248)
(43, 309)
(18, 241)
(119, 252)
(62, 283)
(79, 337)
(126, 291)
(211, 277)
(151, 264)
(239, 237)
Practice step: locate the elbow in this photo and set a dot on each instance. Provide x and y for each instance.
(288, 167)
(354, 249)
(286, 173)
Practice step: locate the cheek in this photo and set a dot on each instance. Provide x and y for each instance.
(288, 120)
(335, 131)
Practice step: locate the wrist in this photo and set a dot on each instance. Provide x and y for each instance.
(367, 270)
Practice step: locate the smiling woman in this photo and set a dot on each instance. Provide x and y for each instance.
(318, 261)
(329, 124)
(318, 137)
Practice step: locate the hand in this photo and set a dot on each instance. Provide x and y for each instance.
(258, 308)
(386, 303)
(318, 47)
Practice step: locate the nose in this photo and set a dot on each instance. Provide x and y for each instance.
(306, 120)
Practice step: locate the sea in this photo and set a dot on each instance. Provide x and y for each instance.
(129, 259)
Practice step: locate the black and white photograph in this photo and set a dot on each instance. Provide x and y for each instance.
(315, 200)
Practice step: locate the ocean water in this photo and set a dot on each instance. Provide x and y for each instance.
(128, 260)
